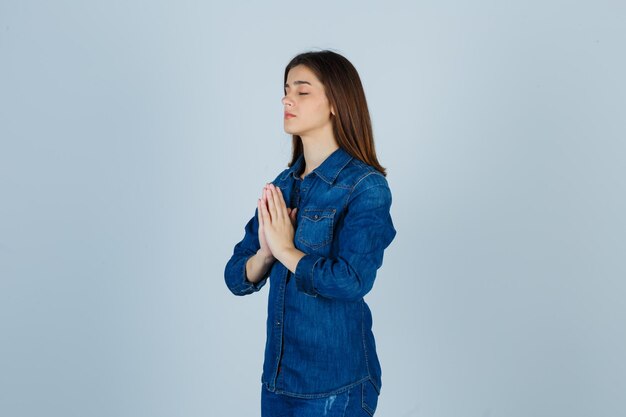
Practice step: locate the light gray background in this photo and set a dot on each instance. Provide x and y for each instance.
(136, 137)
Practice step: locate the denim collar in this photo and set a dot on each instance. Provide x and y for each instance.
(327, 170)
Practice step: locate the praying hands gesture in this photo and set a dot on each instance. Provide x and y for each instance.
(276, 221)
(276, 233)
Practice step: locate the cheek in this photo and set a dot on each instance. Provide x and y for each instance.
(322, 109)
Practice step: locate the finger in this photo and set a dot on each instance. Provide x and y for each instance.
(267, 218)
(263, 198)
(260, 213)
(293, 215)
(271, 207)
(281, 199)
(280, 209)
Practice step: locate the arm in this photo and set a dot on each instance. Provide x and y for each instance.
(366, 231)
(249, 267)
(247, 271)
(257, 266)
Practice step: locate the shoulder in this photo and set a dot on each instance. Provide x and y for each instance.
(365, 182)
(360, 176)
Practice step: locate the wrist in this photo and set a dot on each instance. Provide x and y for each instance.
(265, 257)
(281, 253)
(290, 256)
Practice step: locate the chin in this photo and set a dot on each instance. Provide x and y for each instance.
(291, 131)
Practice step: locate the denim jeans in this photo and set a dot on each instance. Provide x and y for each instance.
(358, 401)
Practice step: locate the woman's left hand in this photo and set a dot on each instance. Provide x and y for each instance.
(277, 221)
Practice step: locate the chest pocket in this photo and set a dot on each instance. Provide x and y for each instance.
(315, 228)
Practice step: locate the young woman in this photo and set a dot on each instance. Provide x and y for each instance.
(318, 233)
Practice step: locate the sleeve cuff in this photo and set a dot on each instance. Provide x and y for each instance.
(304, 274)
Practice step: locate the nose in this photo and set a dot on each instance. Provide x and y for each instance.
(286, 101)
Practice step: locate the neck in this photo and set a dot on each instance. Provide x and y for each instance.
(316, 150)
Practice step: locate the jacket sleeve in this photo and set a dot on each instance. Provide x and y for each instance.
(235, 271)
(366, 231)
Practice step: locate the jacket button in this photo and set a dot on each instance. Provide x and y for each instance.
(315, 217)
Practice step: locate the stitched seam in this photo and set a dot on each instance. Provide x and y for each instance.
(357, 183)
(367, 363)
(329, 239)
(325, 394)
(279, 336)
(313, 289)
(364, 405)
(331, 180)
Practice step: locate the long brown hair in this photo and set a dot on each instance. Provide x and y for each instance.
(352, 126)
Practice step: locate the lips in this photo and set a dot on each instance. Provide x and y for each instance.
(289, 115)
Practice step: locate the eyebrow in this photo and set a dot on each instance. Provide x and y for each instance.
(297, 82)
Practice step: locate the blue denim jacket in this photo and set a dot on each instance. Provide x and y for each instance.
(319, 337)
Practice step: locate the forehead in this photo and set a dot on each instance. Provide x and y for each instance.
(302, 73)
